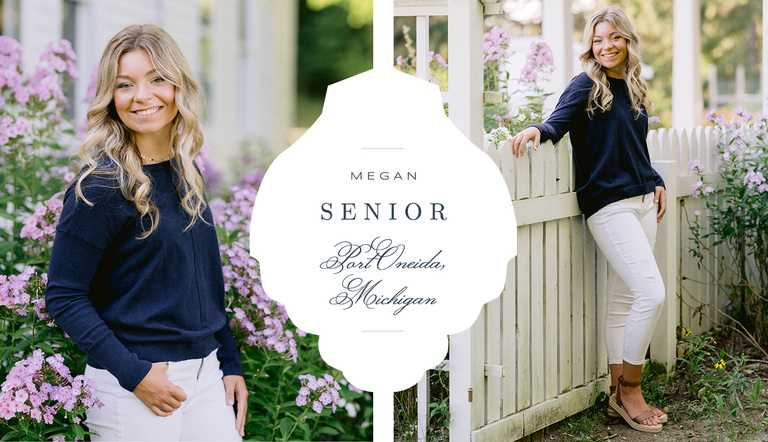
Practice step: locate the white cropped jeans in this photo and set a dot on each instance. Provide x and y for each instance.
(625, 231)
(205, 414)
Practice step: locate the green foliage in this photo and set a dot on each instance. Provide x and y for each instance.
(272, 410)
(360, 12)
(738, 215)
(716, 380)
(20, 335)
(439, 416)
(329, 49)
(440, 410)
(27, 174)
(584, 425)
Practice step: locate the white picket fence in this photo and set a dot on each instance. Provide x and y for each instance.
(538, 351)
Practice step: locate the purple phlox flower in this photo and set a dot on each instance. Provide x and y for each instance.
(742, 115)
(439, 58)
(697, 212)
(710, 117)
(762, 187)
(695, 166)
(527, 76)
(696, 189)
(90, 93)
(355, 389)
(652, 120)
(320, 392)
(538, 61)
(752, 179)
(257, 318)
(26, 392)
(326, 398)
(40, 227)
(495, 44)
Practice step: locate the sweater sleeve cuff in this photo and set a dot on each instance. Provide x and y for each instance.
(545, 134)
(228, 354)
(122, 364)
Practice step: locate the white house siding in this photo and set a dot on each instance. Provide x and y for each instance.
(40, 23)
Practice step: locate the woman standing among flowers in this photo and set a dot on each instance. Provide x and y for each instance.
(622, 196)
(135, 275)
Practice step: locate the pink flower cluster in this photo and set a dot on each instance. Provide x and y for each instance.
(56, 60)
(695, 166)
(752, 179)
(235, 215)
(10, 128)
(715, 119)
(538, 62)
(37, 388)
(44, 85)
(698, 189)
(59, 58)
(258, 320)
(19, 292)
(40, 227)
(432, 56)
(318, 393)
(495, 45)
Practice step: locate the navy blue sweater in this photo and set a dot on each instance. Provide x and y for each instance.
(129, 302)
(610, 153)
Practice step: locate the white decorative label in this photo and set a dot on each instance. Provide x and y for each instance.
(383, 229)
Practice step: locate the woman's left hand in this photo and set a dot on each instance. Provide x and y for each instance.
(660, 198)
(237, 395)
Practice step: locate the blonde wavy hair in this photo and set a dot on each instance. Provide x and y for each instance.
(109, 140)
(601, 96)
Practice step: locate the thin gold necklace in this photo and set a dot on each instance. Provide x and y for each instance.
(152, 160)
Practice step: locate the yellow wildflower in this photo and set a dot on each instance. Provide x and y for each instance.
(720, 364)
(686, 332)
(713, 340)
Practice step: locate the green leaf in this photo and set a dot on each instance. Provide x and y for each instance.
(305, 428)
(79, 431)
(327, 430)
(286, 424)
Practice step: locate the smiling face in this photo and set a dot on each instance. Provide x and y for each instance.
(609, 49)
(144, 100)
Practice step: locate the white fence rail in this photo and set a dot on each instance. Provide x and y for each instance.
(538, 351)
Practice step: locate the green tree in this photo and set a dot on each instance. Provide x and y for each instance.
(330, 50)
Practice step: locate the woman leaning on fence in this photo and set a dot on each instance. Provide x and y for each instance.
(622, 196)
(135, 276)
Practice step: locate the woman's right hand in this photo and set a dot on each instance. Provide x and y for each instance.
(159, 394)
(519, 141)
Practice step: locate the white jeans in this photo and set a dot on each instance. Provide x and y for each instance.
(626, 233)
(205, 414)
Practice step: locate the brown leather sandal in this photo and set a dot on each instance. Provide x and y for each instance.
(635, 421)
(610, 412)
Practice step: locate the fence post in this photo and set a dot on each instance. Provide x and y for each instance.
(422, 399)
(465, 85)
(667, 252)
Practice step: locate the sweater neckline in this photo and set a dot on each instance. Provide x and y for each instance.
(157, 166)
